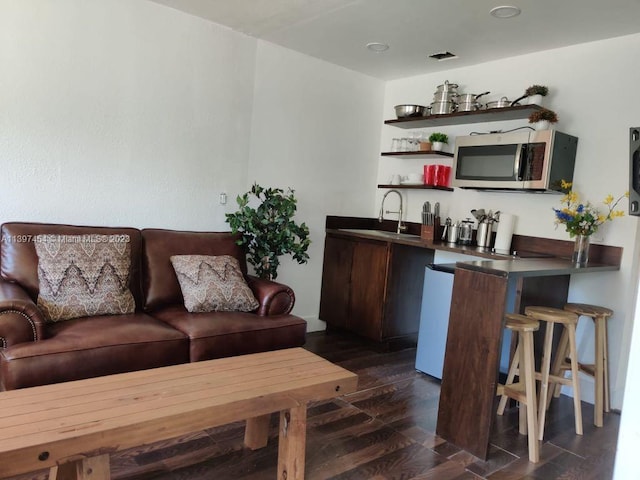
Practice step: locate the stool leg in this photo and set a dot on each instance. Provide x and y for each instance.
(598, 408)
(544, 385)
(605, 350)
(561, 355)
(510, 376)
(524, 406)
(575, 381)
(528, 371)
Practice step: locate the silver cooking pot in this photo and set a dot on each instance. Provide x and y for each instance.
(469, 107)
(445, 97)
(504, 102)
(442, 108)
(470, 97)
(447, 87)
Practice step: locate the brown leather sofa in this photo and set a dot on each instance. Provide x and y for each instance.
(161, 332)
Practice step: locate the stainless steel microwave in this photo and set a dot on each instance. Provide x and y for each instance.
(521, 160)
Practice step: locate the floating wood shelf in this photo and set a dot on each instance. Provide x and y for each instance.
(417, 154)
(418, 187)
(460, 118)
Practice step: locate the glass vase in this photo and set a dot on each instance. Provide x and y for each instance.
(581, 250)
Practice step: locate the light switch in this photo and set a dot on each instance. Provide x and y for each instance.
(223, 198)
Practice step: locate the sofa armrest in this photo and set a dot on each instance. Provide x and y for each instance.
(274, 298)
(20, 319)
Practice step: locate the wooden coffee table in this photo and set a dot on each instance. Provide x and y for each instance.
(73, 427)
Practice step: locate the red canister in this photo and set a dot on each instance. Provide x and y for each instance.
(430, 174)
(442, 175)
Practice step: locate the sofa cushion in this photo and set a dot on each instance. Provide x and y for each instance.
(213, 283)
(83, 276)
(160, 284)
(19, 261)
(91, 347)
(223, 334)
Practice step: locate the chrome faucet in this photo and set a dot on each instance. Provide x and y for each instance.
(401, 227)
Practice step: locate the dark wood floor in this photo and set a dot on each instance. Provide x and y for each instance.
(383, 431)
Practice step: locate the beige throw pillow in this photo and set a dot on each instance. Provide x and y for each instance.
(213, 283)
(84, 275)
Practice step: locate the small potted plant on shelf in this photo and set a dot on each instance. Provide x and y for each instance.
(543, 118)
(438, 140)
(535, 93)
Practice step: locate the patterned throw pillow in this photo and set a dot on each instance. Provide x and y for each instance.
(213, 283)
(83, 275)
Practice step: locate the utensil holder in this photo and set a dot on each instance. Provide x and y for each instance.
(430, 232)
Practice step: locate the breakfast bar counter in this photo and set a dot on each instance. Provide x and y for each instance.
(483, 291)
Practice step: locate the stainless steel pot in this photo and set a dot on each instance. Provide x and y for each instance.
(404, 111)
(470, 97)
(447, 87)
(469, 107)
(445, 97)
(503, 102)
(442, 108)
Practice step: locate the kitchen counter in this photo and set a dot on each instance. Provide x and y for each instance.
(521, 262)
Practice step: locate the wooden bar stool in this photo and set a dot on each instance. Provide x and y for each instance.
(600, 369)
(569, 321)
(524, 391)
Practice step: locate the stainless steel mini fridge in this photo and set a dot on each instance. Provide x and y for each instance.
(434, 318)
(434, 315)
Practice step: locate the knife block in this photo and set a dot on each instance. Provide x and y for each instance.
(430, 232)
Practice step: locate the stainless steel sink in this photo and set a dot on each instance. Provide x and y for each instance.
(381, 233)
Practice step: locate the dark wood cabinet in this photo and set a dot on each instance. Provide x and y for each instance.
(372, 288)
(336, 278)
(353, 285)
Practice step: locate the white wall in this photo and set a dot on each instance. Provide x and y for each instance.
(121, 113)
(578, 78)
(315, 129)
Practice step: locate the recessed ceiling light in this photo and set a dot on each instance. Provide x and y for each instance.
(505, 11)
(377, 47)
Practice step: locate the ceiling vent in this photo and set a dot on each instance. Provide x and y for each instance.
(443, 56)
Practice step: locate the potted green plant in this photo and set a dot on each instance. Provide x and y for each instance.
(535, 94)
(268, 230)
(542, 118)
(438, 140)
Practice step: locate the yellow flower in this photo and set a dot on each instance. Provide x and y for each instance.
(565, 185)
(608, 200)
(601, 218)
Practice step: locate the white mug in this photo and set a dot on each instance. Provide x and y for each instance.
(395, 179)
